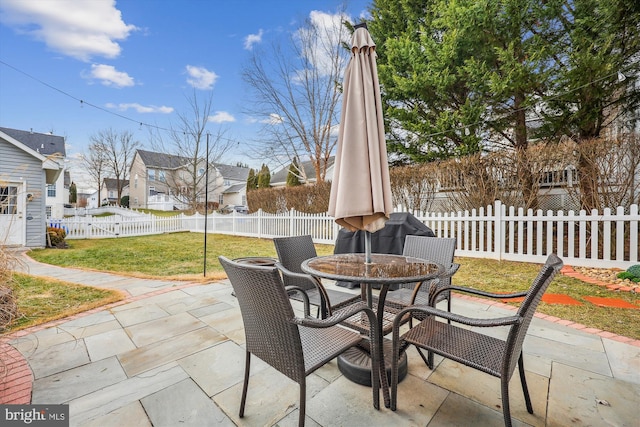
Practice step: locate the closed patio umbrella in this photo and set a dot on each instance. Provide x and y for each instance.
(361, 191)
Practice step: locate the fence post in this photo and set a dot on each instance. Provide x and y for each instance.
(291, 215)
(499, 228)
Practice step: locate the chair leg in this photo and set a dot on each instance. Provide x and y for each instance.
(428, 359)
(506, 411)
(523, 381)
(245, 385)
(394, 369)
(303, 402)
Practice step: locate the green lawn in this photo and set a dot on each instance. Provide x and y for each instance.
(180, 256)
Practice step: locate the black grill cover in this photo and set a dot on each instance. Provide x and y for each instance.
(389, 240)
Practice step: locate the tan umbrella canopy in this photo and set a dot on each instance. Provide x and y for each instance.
(361, 190)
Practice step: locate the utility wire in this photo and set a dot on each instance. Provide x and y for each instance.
(97, 107)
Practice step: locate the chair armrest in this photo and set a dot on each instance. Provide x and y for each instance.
(313, 280)
(470, 321)
(432, 283)
(293, 289)
(338, 316)
(453, 268)
(477, 292)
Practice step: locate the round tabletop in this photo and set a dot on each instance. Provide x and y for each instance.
(383, 269)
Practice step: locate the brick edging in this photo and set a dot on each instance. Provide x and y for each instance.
(16, 378)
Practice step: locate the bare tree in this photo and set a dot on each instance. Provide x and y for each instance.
(95, 163)
(187, 143)
(115, 151)
(296, 87)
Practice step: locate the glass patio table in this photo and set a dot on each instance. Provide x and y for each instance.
(384, 270)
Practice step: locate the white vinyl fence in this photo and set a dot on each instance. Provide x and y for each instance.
(604, 240)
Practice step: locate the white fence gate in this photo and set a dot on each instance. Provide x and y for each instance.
(604, 240)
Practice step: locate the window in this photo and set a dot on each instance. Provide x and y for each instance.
(8, 200)
(51, 190)
(48, 211)
(161, 176)
(200, 171)
(152, 175)
(135, 181)
(227, 183)
(221, 199)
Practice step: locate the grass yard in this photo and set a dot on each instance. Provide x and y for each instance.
(41, 300)
(180, 256)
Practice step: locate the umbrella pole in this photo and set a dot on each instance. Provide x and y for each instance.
(367, 247)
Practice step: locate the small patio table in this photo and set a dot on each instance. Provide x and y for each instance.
(384, 270)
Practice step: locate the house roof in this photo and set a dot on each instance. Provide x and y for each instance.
(235, 173)
(161, 160)
(43, 143)
(169, 161)
(235, 188)
(112, 183)
(280, 177)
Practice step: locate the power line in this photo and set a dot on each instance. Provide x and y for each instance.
(97, 107)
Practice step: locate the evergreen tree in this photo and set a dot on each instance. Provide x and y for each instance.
(73, 193)
(252, 180)
(294, 172)
(264, 177)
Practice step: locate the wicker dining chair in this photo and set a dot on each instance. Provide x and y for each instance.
(494, 356)
(295, 346)
(438, 249)
(292, 251)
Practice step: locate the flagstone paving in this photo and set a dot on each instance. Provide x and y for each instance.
(173, 354)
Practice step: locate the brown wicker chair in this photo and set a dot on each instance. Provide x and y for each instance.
(291, 252)
(294, 346)
(494, 356)
(438, 249)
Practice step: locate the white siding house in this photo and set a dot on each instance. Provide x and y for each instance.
(25, 174)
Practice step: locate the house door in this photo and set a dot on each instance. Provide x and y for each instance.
(12, 218)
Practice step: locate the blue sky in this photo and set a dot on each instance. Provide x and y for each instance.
(138, 59)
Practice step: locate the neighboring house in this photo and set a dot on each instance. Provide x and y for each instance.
(109, 191)
(155, 179)
(28, 177)
(279, 179)
(57, 193)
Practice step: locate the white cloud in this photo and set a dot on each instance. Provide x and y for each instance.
(200, 77)
(330, 32)
(252, 39)
(274, 119)
(141, 108)
(80, 29)
(221, 117)
(109, 76)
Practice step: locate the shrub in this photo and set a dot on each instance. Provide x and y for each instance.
(55, 237)
(632, 273)
(635, 270)
(8, 305)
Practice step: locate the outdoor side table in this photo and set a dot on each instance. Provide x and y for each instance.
(384, 270)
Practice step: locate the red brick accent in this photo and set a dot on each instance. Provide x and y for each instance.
(15, 377)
